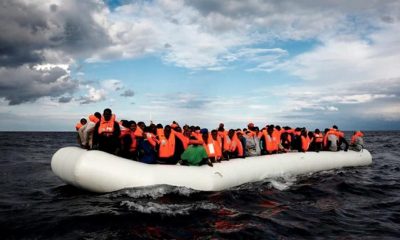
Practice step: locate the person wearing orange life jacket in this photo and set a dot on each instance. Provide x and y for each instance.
(146, 147)
(217, 142)
(342, 139)
(318, 140)
(86, 132)
(331, 140)
(170, 147)
(79, 126)
(106, 133)
(271, 143)
(236, 146)
(125, 138)
(286, 139)
(225, 141)
(357, 141)
(211, 146)
(305, 141)
(178, 133)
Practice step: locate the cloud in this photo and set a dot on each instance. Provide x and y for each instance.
(64, 99)
(127, 93)
(27, 84)
(94, 95)
(111, 85)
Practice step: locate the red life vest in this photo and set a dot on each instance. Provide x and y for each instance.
(355, 136)
(185, 140)
(271, 143)
(236, 144)
(78, 126)
(152, 139)
(305, 143)
(331, 131)
(107, 127)
(134, 142)
(93, 118)
(167, 146)
(213, 147)
(319, 137)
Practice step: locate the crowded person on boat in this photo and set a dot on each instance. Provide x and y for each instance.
(193, 145)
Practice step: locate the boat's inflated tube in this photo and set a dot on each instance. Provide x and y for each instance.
(102, 172)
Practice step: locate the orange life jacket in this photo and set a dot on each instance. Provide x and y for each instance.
(167, 146)
(271, 143)
(107, 127)
(227, 142)
(305, 143)
(152, 139)
(319, 137)
(138, 132)
(355, 136)
(277, 135)
(93, 118)
(134, 142)
(236, 144)
(213, 147)
(160, 132)
(331, 131)
(78, 126)
(185, 140)
(124, 131)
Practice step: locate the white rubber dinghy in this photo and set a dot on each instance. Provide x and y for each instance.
(101, 172)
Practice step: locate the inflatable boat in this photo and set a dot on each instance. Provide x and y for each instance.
(101, 172)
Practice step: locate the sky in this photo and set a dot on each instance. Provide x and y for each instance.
(296, 62)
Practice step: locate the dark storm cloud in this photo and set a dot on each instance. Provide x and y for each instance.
(26, 84)
(33, 33)
(64, 99)
(27, 30)
(128, 93)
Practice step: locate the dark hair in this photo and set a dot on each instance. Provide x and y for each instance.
(107, 110)
(97, 114)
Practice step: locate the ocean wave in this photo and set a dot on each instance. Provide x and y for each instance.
(167, 209)
(154, 192)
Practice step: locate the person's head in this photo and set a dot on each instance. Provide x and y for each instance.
(185, 127)
(187, 133)
(107, 113)
(125, 123)
(167, 131)
(204, 133)
(335, 127)
(97, 115)
(132, 125)
(304, 133)
(257, 130)
(277, 127)
(326, 130)
(214, 134)
(270, 129)
(221, 125)
(178, 129)
(310, 134)
(159, 125)
(317, 131)
(250, 126)
(83, 121)
(239, 134)
(231, 133)
(141, 125)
